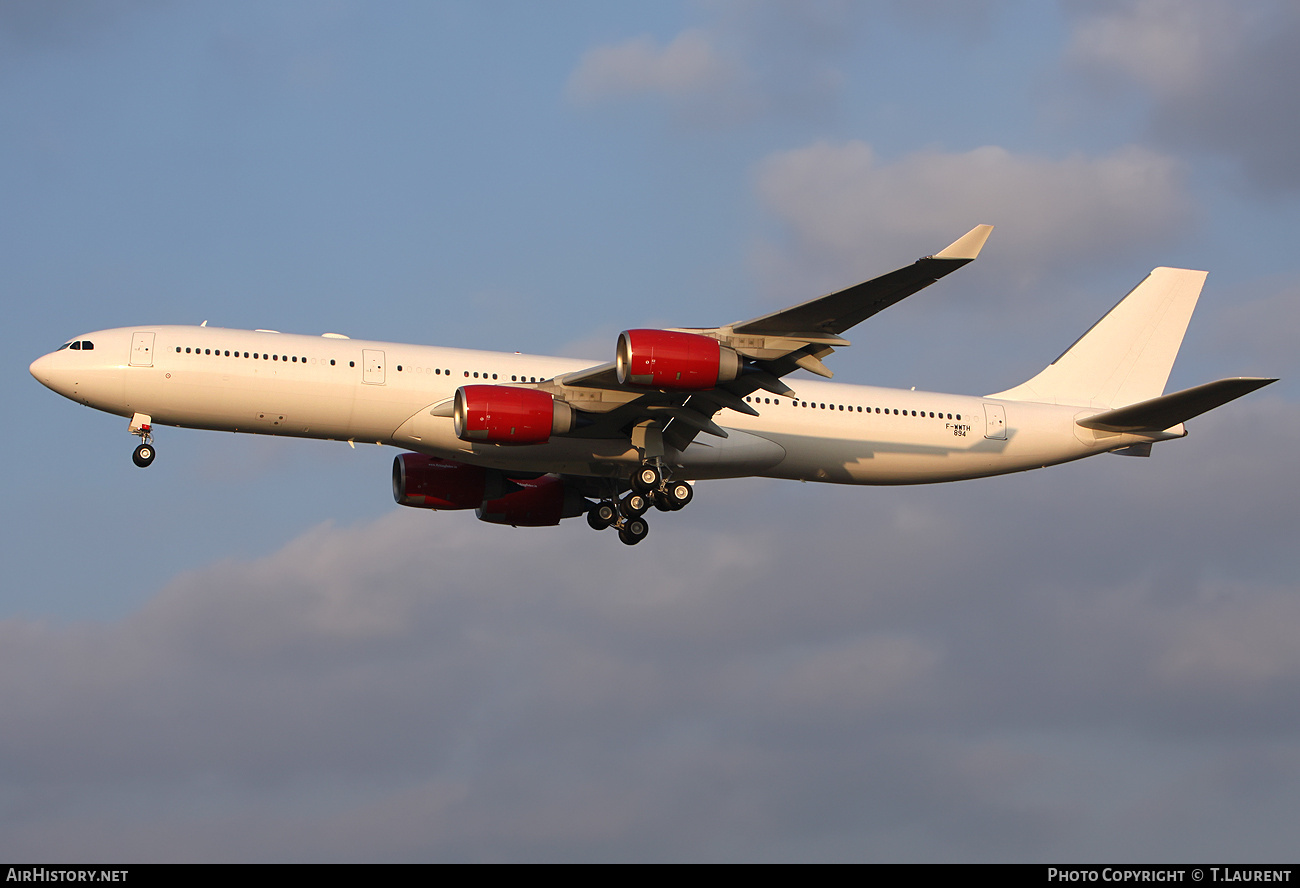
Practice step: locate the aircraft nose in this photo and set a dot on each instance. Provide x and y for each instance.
(47, 372)
(40, 368)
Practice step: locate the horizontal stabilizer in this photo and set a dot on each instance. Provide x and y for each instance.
(1167, 411)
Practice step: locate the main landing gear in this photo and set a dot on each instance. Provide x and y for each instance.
(649, 488)
(142, 427)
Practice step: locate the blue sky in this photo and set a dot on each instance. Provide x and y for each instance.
(249, 653)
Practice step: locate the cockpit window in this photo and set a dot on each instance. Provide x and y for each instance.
(86, 345)
(76, 345)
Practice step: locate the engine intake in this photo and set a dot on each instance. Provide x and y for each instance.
(501, 414)
(426, 482)
(672, 361)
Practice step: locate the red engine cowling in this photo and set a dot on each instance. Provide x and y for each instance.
(541, 502)
(502, 414)
(681, 362)
(427, 482)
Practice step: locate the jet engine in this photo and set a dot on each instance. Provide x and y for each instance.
(541, 502)
(671, 361)
(426, 482)
(501, 414)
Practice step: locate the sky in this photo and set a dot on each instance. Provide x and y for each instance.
(249, 653)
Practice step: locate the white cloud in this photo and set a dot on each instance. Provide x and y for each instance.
(1167, 45)
(687, 68)
(845, 209)
(1220, 75)
(750, 682)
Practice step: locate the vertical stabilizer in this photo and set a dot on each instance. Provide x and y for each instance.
(1127, 355)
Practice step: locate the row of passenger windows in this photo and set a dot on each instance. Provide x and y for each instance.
(474, 375)
(436, 370)
(257, 356)
(891, 411)
(295, 359)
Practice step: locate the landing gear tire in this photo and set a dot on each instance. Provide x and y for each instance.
(677, 494)
(646, 478)
(143, 455)
(634, 505)
(633, 531)
(662, 502)
(601, 516)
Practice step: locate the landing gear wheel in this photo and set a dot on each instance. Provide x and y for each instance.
(662, 502)
(633, 531)
(143, 455)
(678, 494)
(646, 478)
(633, 505)
(602, 516)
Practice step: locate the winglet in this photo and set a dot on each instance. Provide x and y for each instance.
(967, 246)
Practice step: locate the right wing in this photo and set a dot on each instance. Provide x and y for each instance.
(837, 312)
(771, 346)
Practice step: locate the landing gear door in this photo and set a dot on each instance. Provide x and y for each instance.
(373, 360)
(142, 350)
(995, 422)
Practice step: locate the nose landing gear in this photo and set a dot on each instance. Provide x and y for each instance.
(142, 427)
(143, 455)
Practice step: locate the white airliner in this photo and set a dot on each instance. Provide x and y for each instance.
(528, 440)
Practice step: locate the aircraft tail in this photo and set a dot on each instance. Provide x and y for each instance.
(1125, 357)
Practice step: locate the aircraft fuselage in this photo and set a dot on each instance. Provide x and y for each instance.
(343, 389)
